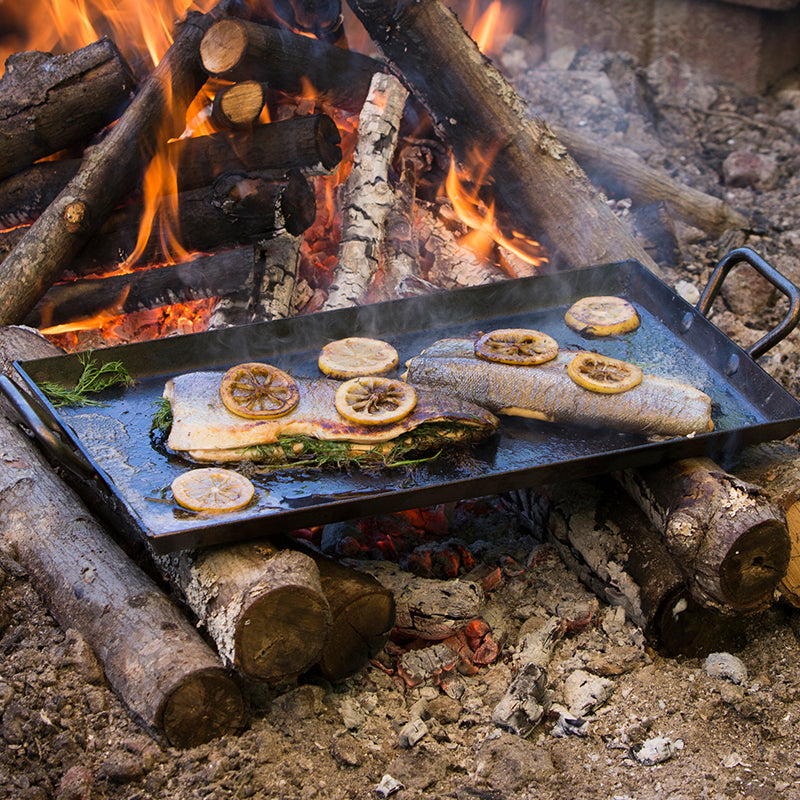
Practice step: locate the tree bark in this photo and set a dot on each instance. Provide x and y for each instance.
(367, 194)
(153, 657)
(288, 62)
(730, 540)
(539, 189)
(617, 552)
(108, 173)
(264, 608)
(50, 103)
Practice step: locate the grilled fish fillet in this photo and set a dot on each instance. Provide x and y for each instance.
(657, 406)
(205, 430)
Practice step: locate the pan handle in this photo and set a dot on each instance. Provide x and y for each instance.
(32, 416)
(737, 256)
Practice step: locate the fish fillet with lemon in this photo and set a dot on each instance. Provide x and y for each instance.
(313, 431)
(656, 406)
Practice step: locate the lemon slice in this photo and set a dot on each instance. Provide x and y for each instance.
(357, 356)
(212, 489)
(516, 346)
(603, 374)
(372, 400)
(256, 391)
(602, 316)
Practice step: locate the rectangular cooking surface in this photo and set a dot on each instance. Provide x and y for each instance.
(674, 340)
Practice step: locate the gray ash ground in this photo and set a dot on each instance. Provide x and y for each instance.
(66, 735)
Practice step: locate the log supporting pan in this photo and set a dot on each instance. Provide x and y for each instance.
(116, 466)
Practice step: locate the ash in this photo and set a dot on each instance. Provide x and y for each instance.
(601, 714)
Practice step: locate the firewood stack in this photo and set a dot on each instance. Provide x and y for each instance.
(702, 548)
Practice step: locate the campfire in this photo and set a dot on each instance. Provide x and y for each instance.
(258, 163)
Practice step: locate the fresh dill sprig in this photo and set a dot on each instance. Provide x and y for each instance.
(95, 378)
(162, 419)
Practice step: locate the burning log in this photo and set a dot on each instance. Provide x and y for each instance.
(238, 50)
(727, 536)
(152, 656)
(223, 273)
(538, 187)
(776, 467)
(109, 171)
(367, 194)
(618, 170)
(238, 105)
(236, 210)
(308, 144)
(264, 608)
(50, 103)
(615, 551)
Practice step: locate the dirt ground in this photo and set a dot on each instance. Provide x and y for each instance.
(668, 728)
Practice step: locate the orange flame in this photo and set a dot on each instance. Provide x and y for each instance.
(491, 29)
(480, 218)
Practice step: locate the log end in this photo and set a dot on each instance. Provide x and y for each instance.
(223, 46)
(282, 634)
(204, 705)
(360, 630)
(752, 570)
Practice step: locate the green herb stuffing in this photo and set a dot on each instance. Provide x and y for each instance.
(162, 419)
(95, 378)
(424, 443)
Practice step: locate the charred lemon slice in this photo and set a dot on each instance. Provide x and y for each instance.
(212, 489)
(256, 391)
(603, 374)
(602, 316)
(519, 346)
(357, 356)
(373, 400)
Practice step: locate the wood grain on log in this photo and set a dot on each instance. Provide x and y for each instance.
(618, 553)
(539, 188)
(50, 103)
(153, 657)
(288, 62)
(109, 172)
(367, 196)
(730, 540)
(264, 608)
(238, 105)
(776, 468)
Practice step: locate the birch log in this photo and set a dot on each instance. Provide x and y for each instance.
(367, 196)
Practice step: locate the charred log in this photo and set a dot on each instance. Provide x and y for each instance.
(221, 274)
(153, 657)
(239, 50)
(535, 182)
(618, 553)
(50, 103)
(308, 144)
(109, 172)
(728, 537)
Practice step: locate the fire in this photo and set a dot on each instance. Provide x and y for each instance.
(480, 219)
(491, 29)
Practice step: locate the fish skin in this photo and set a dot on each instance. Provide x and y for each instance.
(658, 406)
(204, 428)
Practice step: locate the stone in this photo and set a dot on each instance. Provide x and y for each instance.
(726, 665)
(747, 168)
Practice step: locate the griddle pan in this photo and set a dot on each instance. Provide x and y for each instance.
(115, 465)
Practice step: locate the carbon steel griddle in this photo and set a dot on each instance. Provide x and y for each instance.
(125, 478)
